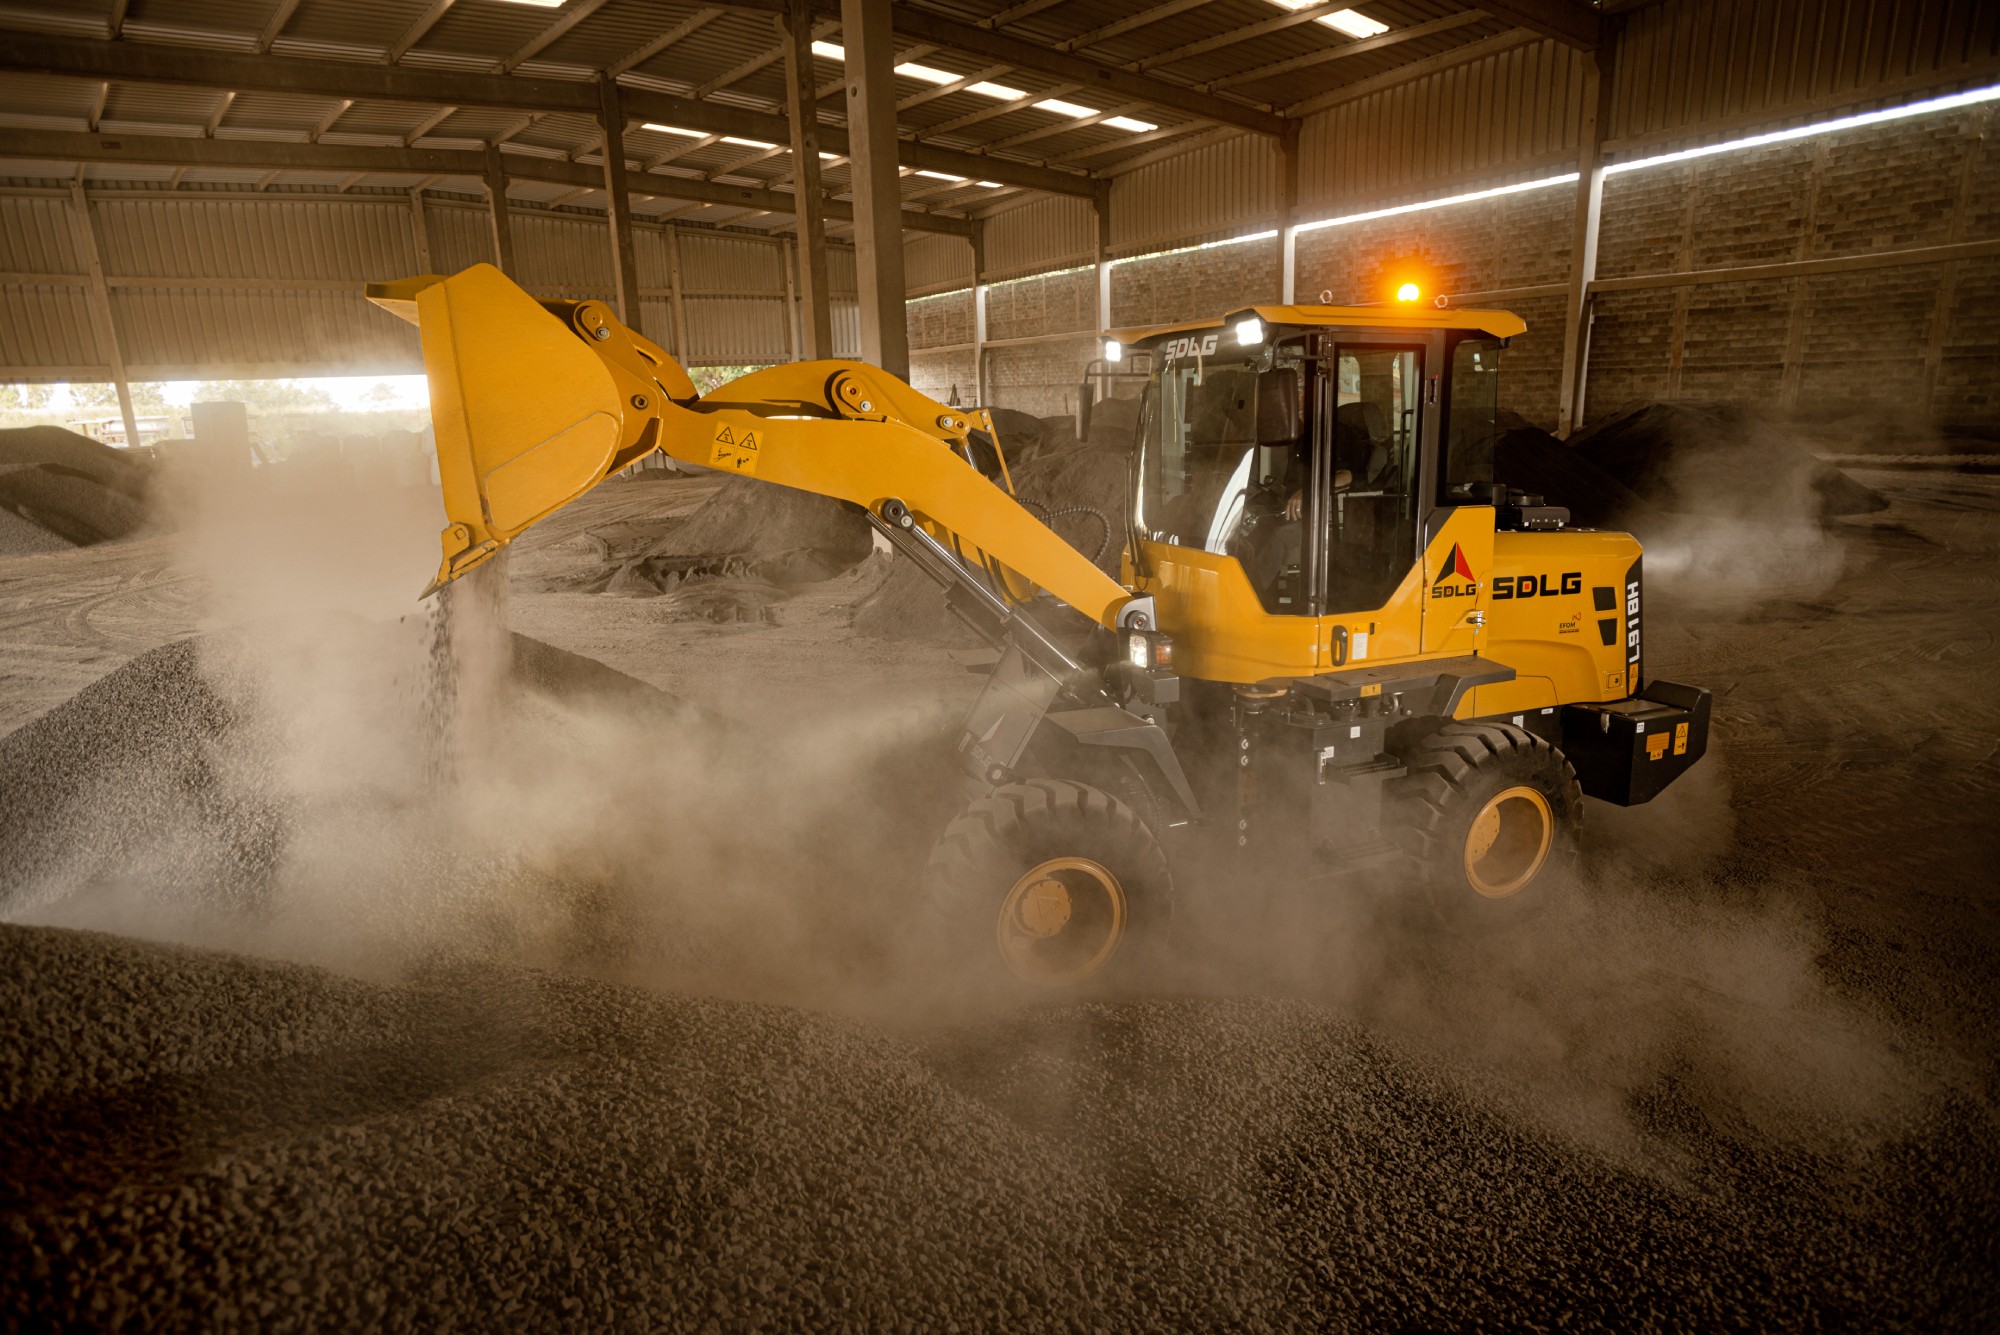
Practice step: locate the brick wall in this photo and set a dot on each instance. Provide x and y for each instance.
(1194, 284)
(1923, 340)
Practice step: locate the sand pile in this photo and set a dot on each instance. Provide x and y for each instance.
(1082, 494)
(1718, 460)
(70, 485)
(187, 1132)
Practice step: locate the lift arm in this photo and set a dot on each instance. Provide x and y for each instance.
(534, 403)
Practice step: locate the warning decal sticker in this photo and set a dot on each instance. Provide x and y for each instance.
(734, 450)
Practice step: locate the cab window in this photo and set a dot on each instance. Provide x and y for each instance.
(1471, 424)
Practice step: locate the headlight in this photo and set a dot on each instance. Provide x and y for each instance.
(1149, 652)
(1114, 351)
(1249, 331)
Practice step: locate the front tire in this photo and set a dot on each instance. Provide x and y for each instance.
(1049, 883)
(1491, 814)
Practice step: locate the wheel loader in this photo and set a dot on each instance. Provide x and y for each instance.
(1338, 642)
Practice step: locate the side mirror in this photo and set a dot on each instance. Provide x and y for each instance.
(1277, 406)
(1086, 399)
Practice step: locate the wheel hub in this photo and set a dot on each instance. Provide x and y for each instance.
(1508, 841)
(1062, 921)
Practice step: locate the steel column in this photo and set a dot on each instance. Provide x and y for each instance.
(815, 308)
(100, 309)
(676, 304)
(420, 231)
(1288, 215)
(1595, 118)
(979, 315)
(496, 212)
(1101, 254)
(618, 203)
(878, 229)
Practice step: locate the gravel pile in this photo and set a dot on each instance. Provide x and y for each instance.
(156, 767)
(1072, 487)
(186, 1133)
(748, 530)
(76, 488)
(1529, 459)
(24, 537)
(1718, 460)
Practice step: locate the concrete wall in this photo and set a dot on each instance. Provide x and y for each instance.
(1923, 340)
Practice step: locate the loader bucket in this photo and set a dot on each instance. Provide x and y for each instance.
(527, 416)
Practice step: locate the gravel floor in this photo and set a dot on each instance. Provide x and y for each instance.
(248, 1142)
(1747, 1083)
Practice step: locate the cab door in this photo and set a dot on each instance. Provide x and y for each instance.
(1458, 578)
(1372, 428)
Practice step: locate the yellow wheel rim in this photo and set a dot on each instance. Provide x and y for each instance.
(1509, 841)
(1062, 921)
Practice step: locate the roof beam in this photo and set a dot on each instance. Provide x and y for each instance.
(715, 118)
(938, 30)
(1276, 23)
(85, 58)
(1015, 13)
(176, 151)
(1346, 49)
(413, 34)
(680, 32)
(1560, 20)
(114, 24)
(279, 18)
(193, 67)
(1444, 60)
(542, 40)
(1143, 18)
(997, 109)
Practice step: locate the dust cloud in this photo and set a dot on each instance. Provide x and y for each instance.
(1322, 1112)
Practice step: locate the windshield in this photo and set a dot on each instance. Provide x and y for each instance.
(1207, 445)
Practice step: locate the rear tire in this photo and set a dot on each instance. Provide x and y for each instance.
(1048, 884)
(1490, 813)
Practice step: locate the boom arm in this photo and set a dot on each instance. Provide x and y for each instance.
(534, 403)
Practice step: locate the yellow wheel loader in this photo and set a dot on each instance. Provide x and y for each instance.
(1339, 640)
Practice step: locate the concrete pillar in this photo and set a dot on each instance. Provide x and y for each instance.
(496, 212)
(815, 309)
(878, 193)
(1589, 213)
(100, 309)
(618, 201)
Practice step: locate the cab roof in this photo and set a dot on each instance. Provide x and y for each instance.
(1499, 324)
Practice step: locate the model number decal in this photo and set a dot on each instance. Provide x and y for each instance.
(1537, 586)
(1189, 345)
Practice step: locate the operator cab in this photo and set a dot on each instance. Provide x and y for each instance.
(1296, 440)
